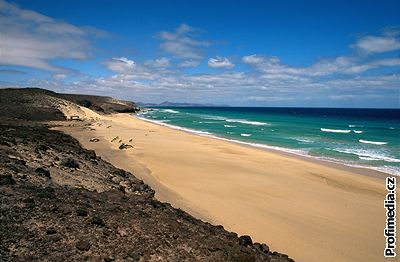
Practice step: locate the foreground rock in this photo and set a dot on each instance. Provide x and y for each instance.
(60, 202)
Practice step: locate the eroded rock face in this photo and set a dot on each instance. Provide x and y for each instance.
(94, 211)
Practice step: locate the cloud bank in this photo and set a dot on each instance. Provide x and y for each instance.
(33, 40)
(220, 62)
(184, 72)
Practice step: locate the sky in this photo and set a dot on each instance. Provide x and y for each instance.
(239, 53)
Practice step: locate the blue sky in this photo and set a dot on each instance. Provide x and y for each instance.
(243, 53)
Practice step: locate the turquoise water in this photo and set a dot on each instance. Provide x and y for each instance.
(358, 137)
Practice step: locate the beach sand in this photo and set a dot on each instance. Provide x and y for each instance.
(308, 210)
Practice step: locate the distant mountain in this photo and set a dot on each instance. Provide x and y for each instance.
(172, 104)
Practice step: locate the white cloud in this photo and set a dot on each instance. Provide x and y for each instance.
(269, 98)
(120, 65)
(183, 43)
(269, 65)
(189, 63)
(160, 62)
(128, 70)
(220, 62)
(378, 44)
(59, 76)
(387, 62)
(253, 59)
(31, 39)
(272, 67)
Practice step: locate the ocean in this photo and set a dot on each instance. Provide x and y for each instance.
(367, 138)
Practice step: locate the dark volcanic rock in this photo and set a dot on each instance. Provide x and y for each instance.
(83, 245)
(245, 240)
(98, 221)
(134, 255)
(70, 162)
(6, 180)
(51, 231)
(30, 104)
(42, 171)
(125, 146)
(264, 248)
(81, 212)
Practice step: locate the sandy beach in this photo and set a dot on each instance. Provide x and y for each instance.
(309, 210)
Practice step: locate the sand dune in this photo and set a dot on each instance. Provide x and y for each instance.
(311, 211)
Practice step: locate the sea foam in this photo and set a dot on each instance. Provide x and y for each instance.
(233, 120)
(303, 140)
(371, 142)
(175, 127)
(247, 122)
(366, 154)
(170, 111)
(335, 130)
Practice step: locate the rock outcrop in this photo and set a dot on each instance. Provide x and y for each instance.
(41, 104)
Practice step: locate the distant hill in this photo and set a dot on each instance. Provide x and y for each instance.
(41, 104)
(173, 104)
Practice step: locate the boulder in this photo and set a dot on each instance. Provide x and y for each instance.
(245, 240)
(83, 245)
(81, 212)
(70, 162)
(98, 221)
(42, 172)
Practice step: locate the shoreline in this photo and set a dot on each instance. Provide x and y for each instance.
(360, 170)
(266, 194)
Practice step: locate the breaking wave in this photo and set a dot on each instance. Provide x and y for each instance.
(335, 130)
(371, 142)
(170, 111)
(368, 154)
(233, 120)
(247, 122)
